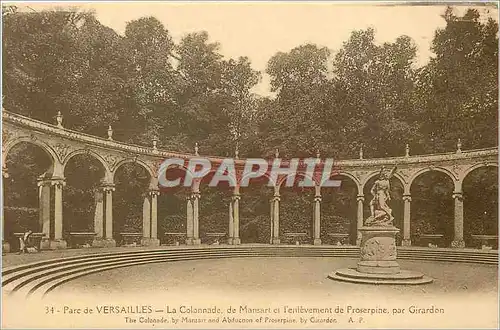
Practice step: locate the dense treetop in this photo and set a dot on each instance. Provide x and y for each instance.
(332, 100)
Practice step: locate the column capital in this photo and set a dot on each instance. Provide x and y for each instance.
(276, 198)
(458, 195)
(5, 172)
(43, 182)
(195, 195)
(154, 192)
(108, 187)
(317, 198)
(58, 182)
(236, 197)
(360, 198)
(407, 197)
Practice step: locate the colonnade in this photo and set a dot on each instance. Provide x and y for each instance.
(103, 218)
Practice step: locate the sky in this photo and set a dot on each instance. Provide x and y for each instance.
(259, 30)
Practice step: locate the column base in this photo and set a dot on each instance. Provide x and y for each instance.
(275, 241)
(45, 243)
(358, 240)
(193, 241)
(5, 247)
(236, 241)
(406, 242)
(103, 242)
(57, 244)
(230, 241)
(317, 241)
(460, 244)
(146, 241)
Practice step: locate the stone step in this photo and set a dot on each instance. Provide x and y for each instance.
(20, 280)
(28, 278)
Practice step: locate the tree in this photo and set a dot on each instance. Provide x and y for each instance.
(300, 78)
(375, 86)
(458, 89)
(215, 98)
(153, 80)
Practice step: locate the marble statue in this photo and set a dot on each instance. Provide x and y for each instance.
(380, 212)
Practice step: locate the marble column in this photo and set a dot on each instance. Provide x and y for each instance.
(146, 217)
(189, 220)
(5, 244)
(154, 215)
(58, 242)
(196, 218)
(108, 200)
(276, 220)
(99, 214)
(317, 220)
(230, 231)
(458, 238)
(271, 215)
(99, 219)
(44, 187)
(359, 220)
(236, 219)
(406, 221)
(150, 219)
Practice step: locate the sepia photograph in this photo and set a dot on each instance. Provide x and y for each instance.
(249, 164)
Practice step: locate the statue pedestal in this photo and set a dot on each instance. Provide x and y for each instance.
(378, 250)
(378, 264)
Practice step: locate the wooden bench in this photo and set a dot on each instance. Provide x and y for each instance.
(486, 241)
(429, 240)
(80, 239)
(34, 240)
(174, 238)
(130, 239)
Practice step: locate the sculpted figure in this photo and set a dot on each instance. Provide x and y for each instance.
(380, 212)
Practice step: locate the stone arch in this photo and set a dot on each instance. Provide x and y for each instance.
(476, 166)
(214, 206)
(264, 175)
(432, 206)
(45, 147)
(197, 181)
(296, 205)
(108, 175)
(25, 189)
(347, 175)
(132, 199)
(446, 171)
(134, 161)
(255, 223)
(480, 205)
(338, 211)
(303, 175)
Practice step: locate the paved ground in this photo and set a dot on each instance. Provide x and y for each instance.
(243, 275)
(466, 293)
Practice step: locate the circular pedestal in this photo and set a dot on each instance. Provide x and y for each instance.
(377, 264)
(403, 277)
